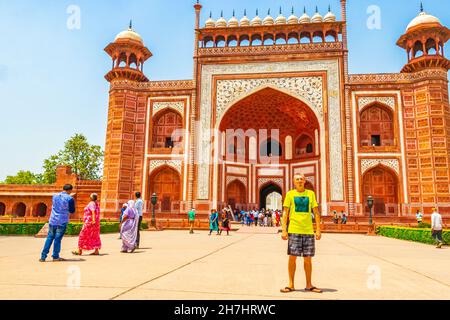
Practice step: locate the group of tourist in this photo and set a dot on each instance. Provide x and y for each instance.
(89, 238)
(300, 212)
(262, 218)
(224, 222)
(341, 217)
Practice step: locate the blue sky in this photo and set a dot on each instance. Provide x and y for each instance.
(52, 78)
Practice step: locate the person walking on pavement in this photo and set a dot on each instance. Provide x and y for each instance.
(191, 215)
(419, 217)
(63, 206)
(436, 227)
(139, 206)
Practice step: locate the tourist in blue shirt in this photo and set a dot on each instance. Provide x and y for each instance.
(63, 206)
(139, 206)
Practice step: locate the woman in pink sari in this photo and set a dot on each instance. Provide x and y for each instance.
(90, 234)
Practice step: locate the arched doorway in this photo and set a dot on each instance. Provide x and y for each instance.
(236, 195)
(40, 210)
(267, 190)
(2, 209)
(165, 182)
(19, 209)
(382, 184)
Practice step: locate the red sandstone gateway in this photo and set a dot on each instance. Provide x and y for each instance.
(272, 97)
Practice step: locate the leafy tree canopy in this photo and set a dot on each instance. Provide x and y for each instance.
(86, 161)
(24, 177)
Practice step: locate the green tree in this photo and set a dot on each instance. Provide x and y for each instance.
(24, 177)
(86, 160)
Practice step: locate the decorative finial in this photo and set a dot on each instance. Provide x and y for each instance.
(292, 9)
(304, 9)
(234, 13)
(221, 14)
(257, 12)
(421, 6)
(210, 14)
(268, 12)
(131, 24)
(329, 8)
(245, 12)
(280, 11)
(317, 9)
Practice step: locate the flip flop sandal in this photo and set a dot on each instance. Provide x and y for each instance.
(287, 290)
(314, 289)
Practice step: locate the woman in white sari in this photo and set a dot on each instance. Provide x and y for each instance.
(129, 227)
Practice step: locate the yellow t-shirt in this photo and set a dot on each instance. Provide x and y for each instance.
(300, 205)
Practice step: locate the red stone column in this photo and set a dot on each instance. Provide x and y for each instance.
(427, 134)
(124, 150)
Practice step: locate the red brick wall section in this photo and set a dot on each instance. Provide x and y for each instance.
(124, 150)
(427, 137)
(33, 195)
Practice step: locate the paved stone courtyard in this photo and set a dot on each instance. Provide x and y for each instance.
(245, 265)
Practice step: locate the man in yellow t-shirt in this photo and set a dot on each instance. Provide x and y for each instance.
(297, 209)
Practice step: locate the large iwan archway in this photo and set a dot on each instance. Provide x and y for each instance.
(262, 137)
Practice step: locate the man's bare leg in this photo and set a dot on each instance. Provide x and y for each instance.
(292, 267)
(307, 261)
(308, 274)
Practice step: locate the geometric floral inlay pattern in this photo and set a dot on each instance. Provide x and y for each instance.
(178, 106)
(241, 179)
(277, 181)
(175, 164)
(367, 164)
(364, 101)
(231, 91)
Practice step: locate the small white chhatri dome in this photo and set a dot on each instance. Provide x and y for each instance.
(280, 19)
(304, 18)
(256, 21)
(423, 19)
(210, 23)
(233, 22)
(129, 34)
(221, 22)
(317, 18)
(329, 17)
(268, 21)
(245, 22)
(293, 19)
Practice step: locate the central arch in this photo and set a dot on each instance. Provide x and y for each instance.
(267, 190)
(262, 130)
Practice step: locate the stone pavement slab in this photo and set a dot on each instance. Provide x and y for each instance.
(177, 266)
